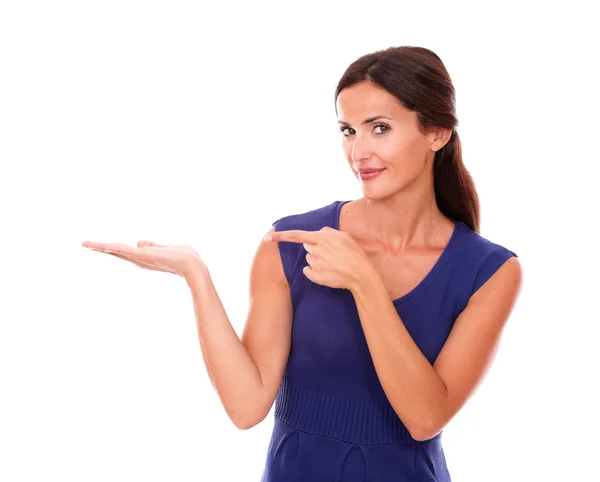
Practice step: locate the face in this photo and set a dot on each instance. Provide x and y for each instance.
(392, 141)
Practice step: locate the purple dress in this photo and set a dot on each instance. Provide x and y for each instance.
(333, 422)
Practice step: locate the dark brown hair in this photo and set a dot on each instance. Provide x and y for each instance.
(419, 80)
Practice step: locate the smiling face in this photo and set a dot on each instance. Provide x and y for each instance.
(390, 139)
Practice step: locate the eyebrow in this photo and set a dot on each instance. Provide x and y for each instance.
(367, 121)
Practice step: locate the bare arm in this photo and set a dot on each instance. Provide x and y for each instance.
(246, 373)
(426, 397)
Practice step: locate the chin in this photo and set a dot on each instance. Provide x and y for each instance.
(376, 194)
(383, 191)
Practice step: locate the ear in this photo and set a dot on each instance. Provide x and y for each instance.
(440, 138)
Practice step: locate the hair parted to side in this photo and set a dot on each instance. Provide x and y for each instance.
(417, 77)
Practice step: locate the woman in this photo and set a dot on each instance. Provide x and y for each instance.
(371, 321)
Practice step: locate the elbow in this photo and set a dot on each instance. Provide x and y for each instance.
(422, 435)
(244, 425)
(247, 415)
(430, 424)
(247, 422)
(241, 417)
(425, 431)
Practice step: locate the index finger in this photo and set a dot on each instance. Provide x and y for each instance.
(293, 236)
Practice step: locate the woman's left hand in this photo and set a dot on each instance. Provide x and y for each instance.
(335, 259)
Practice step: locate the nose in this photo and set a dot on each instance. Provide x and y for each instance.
(360, 150)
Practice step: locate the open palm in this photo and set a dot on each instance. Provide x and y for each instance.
(178, 259)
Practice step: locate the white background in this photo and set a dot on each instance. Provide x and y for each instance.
(182, 122)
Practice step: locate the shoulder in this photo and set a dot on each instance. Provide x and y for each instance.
(479, 258)
(477, 247)
(311, 220)
(293, 255)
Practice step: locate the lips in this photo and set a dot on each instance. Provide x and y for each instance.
(364, 176)
(369, 171)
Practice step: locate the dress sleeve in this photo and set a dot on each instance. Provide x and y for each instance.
(489, 264)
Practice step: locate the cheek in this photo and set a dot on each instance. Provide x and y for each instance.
(393, 151)
(402, 152)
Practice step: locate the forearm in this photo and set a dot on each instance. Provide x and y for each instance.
(231, 369)
(410, 382)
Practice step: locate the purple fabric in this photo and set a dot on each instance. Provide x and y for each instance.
(333, 421)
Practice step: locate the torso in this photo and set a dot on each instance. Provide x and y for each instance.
(400, 272)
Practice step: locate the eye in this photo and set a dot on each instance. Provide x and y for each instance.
(385, 127)
(343, 129)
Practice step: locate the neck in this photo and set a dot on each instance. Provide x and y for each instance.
(404, 220)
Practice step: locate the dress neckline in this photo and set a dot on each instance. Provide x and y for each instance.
(439, 265)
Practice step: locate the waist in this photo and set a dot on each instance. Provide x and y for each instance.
(348, 420)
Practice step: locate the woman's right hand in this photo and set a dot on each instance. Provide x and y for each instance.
(179, 259)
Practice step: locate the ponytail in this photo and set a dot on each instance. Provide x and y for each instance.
(455, 191)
